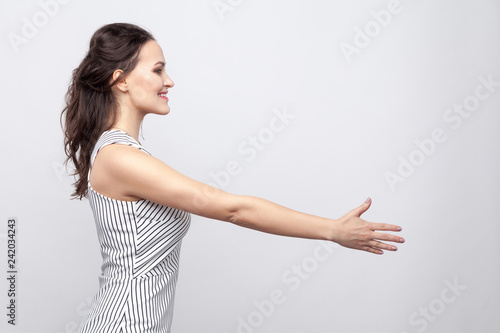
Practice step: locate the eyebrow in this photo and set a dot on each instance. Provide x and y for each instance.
(160, 63)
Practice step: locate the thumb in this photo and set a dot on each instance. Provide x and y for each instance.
(363, 208)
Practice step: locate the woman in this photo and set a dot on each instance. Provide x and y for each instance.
(141, 206)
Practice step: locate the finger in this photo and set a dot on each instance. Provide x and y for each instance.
(385, 227)
(372, 250)
(388, 237)
(382, 246)
(363, 208)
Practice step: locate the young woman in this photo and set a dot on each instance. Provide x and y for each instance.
(142, 206)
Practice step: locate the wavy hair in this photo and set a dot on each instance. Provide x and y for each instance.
(91, 107)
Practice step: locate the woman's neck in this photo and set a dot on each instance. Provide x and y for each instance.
(129, 122)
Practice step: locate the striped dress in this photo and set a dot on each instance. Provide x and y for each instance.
(140, 243)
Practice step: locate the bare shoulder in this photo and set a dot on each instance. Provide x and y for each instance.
(119, 160)
(112, 167)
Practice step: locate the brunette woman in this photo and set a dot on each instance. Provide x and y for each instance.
(141, 205)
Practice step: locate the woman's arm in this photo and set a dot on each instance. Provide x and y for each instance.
(350, 230)
(147, 177)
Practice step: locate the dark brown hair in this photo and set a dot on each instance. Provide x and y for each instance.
(90, 104)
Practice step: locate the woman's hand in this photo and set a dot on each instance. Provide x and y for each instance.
(356, 233)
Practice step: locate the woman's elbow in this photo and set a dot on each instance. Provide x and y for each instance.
(239, 210)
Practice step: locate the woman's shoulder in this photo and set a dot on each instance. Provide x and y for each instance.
(115, 166)
(116, 138)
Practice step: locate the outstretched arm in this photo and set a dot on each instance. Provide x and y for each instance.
(350, 230)
(147, 177)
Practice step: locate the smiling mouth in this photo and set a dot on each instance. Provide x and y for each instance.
(164, 96)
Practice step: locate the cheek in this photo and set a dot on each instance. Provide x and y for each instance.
(153, 83)
(146, 88)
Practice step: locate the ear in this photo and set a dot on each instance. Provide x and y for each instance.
(121, 84)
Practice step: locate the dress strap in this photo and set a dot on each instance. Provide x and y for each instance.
(113, 137)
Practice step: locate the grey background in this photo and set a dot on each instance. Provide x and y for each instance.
(354, 118)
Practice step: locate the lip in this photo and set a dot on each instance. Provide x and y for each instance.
(163, 93)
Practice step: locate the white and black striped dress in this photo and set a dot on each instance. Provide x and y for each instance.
(140, 243)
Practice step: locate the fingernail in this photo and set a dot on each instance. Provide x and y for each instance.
(368, 200)
(394, 248)
(401, 240)
(399, 228)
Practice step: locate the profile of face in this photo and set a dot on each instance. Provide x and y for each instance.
(145, 88)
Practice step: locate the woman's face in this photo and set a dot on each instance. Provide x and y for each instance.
(148, 83)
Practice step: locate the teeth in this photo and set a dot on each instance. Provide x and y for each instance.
(162, 95)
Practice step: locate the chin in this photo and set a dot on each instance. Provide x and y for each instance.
(162, 111)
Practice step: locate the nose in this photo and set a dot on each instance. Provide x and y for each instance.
(167, 81)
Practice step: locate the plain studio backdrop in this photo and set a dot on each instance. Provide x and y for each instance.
(312, 104)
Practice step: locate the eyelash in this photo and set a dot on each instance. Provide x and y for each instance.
(158, 71)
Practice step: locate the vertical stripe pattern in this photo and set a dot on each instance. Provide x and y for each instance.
(140, 245)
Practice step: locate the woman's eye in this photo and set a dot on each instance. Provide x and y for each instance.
(158, 70)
